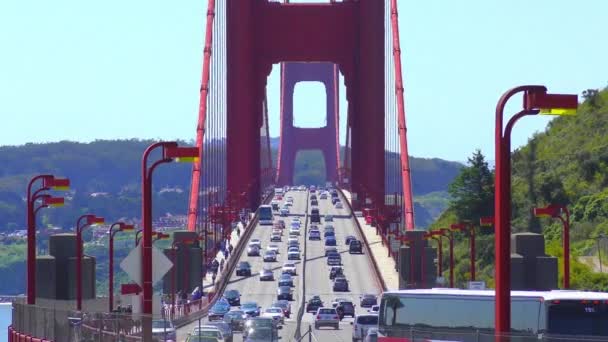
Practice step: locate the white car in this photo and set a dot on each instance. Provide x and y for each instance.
(266, 274)
(273, 248)
(362, 324)
(163, 330)
(289, 268)
(295, 249)
(270, 256)
(255, 242)
(293, 255)
(339, 205)
(275, 237)
(294, 231)
(284, 211)
(276, 314)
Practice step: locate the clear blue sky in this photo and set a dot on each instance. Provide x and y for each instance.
(85, 70)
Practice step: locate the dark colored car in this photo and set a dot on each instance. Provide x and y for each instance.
(334, 259)
(336, 271)
(315, 217)
(334, 200)
(233, 297)
(330, 241)
(329, 250)
(243, 269)
(236, 319)
(284, 305)
(340, 284)
(251, 309)
(355, 246)
(347, 307)
(314, 203)
(368, 300)
(314, 235)
(217, 311)
(313, 304)
(348, 239)
(260, 329)
(329, 233)
(284, 292)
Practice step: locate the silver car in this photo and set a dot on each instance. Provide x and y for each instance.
(327, 317)
(266, 274)
(362, 324)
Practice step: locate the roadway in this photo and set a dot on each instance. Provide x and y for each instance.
(357, 268)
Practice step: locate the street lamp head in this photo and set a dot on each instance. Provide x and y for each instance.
(62, 184)
(487, 221)
(182, 154)
(162, 236)
(548, 211)
(126, 227)
(551, 104)
(93, 220)
(458, 226)
(53, 202)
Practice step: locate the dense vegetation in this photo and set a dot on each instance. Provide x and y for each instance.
(566, 164)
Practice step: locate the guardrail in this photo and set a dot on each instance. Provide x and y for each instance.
(298, 334)
(377, 273)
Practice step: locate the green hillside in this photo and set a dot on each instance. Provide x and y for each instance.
(566, 164)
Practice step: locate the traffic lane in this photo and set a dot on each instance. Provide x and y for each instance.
(263, 292)
(357, 268)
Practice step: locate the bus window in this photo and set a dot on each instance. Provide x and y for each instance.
(577, 318)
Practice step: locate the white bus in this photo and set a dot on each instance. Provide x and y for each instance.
(265, 216)
(468, 315)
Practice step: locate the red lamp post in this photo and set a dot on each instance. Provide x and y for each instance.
(464, 227)
(83, 222)
(170, 152)
(535, 101)
(120, 227)
(556, 211)
(48, 182)
(450, 235)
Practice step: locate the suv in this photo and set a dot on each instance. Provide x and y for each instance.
(347, 307)
(313, 305)
(314, 216)
(355, 247)
(243, 269)
(362, 324)
(327, 317)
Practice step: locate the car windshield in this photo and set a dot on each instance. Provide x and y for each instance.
(244, 264)
(274, 310)
(367, 320)
(261, 334)
(231, 293)
(249, 306)
(161, 324)
(284, 288)
(235, 314)
(340, 280)
(207, 332)
(280, 304)
(289, 265)
(327, 311)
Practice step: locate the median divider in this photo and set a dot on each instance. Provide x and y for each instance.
(298, 334)
(369, 253)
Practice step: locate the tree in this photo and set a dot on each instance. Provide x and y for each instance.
(472, 191)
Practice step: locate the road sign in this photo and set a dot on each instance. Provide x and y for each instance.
(477, 285)
(132, 264)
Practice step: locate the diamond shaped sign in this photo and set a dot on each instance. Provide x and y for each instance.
(132, 265)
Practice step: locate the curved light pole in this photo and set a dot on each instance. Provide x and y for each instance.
(535, 101)
(450, 235)
(556, 211)
(470, 228)
(48, 182)
(170, 152)
(138, 236)
(82, 222)
(120, 227)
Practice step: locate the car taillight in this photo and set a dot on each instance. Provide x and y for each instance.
(336, 317)
(318, 316)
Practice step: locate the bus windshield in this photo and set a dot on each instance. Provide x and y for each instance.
(265, 215)
(577, 318)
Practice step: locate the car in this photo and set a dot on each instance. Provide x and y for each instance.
(340, 284)
(314, 203)
(284, 211)
(375, 309)
(275, 237)
(273, 248)
(266, 274)
(335, 271)
(313, 304)
(348, 239)
(243, 269)
(329, 227)
(256, 241)
(253, 250)
(372, 335)
(368, 300)
(233, 297)
(337, 301)
(223, 327)
(284, 292)
(329, 218)
(323, 196)
(293, 255)
(347, 307)
(355, 246)
(260, 329)
(327, 317)
(289, 268)
(294, 231)
(284, 305)
(217, 311)
(270, 256)
(338, 205)
(279, 224)
(313, 197)
(275, 205)
(251, 309)
(236, 319)
(276, 314)
(361, 324)
(286, 282)
(296, 223)
(293, 241)
(329, 233)
(330, 249)
(330, 241)
(293, 249)
(334, 200)
(314, 235)
(205, 333)
(163, 330)
(315, 217)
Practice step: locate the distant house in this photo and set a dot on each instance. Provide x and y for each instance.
(169, 190)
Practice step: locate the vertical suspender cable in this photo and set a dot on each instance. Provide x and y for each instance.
(405, 164)
(202, 113)
(337, 118)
